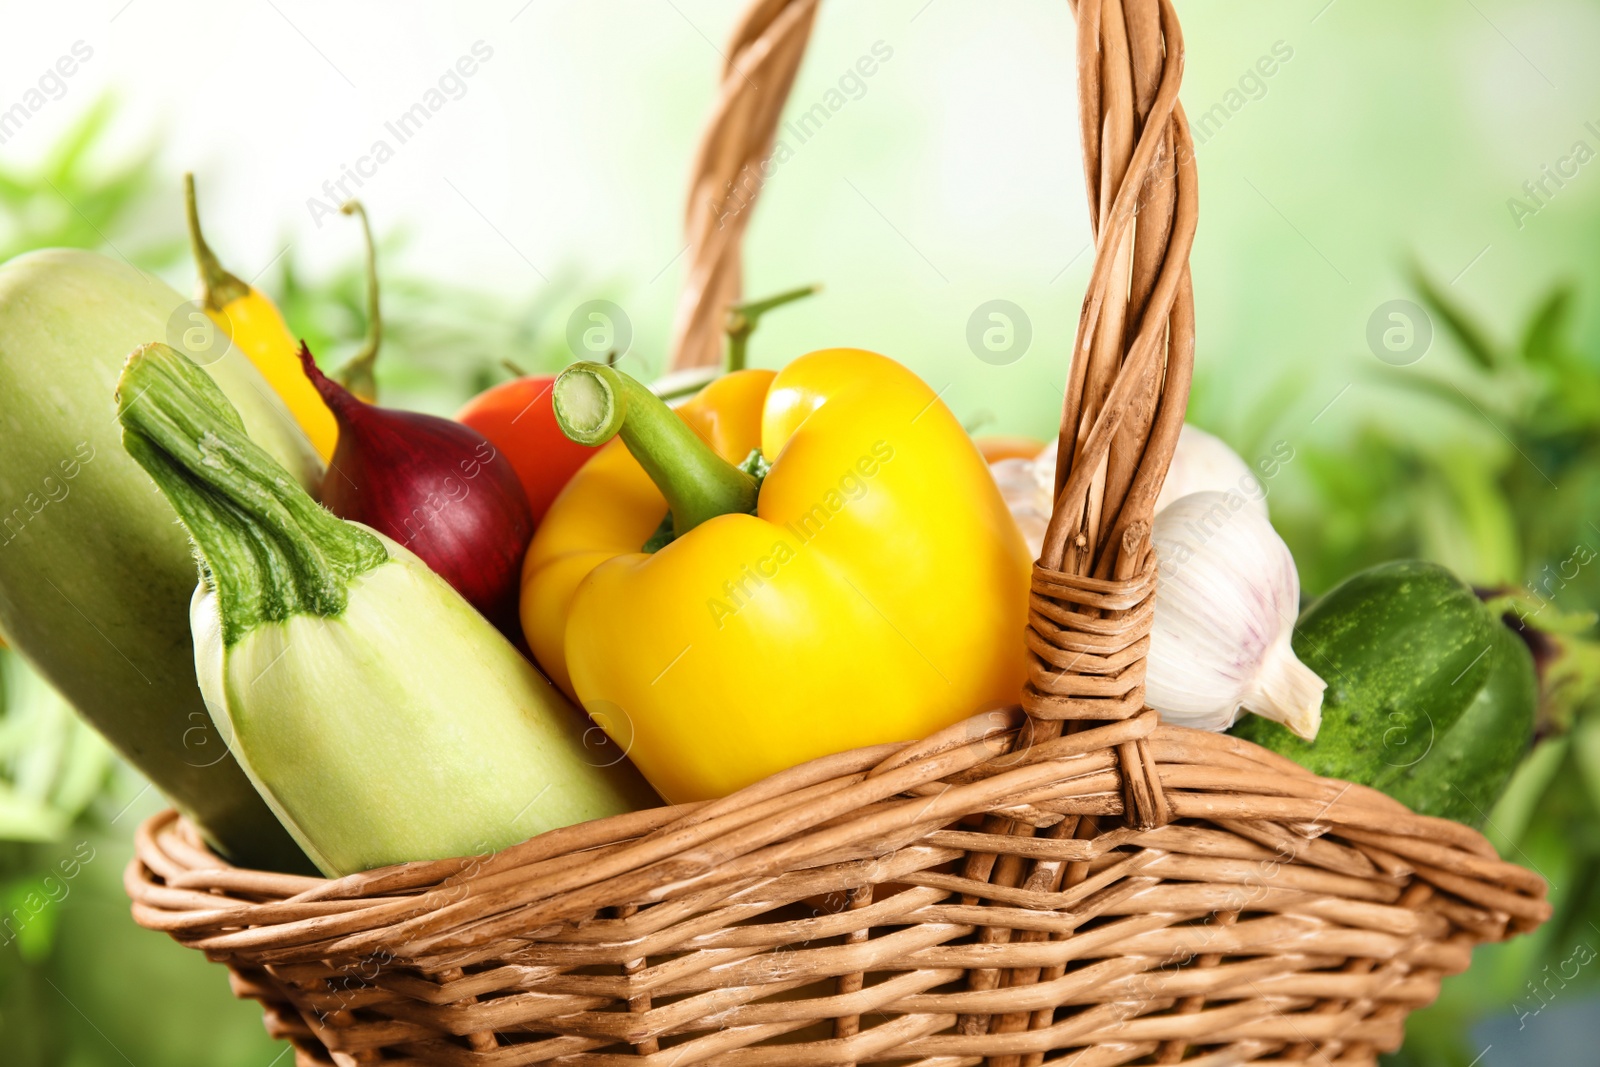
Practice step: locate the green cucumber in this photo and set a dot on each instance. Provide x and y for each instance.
(1430, 698)
(95, 572)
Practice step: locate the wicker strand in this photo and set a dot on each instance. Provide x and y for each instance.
(730, 168)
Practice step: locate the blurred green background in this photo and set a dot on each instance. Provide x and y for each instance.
(1395, 153)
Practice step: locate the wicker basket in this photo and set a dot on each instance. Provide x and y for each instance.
(1070, 881)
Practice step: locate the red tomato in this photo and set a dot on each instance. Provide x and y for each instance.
(518, 420)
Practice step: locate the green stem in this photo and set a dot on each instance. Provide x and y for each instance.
(218, 287)
(744, 318)
(594, 403)
(357, 374)
(268, 549)
(674, 385)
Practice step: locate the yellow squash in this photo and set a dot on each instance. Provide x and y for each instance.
(877, 593)
(256, 327)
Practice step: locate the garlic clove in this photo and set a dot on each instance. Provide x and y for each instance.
(1287, 691)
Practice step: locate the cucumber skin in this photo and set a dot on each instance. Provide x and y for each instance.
(95, 586)
(1471, 765)
(1407, 649)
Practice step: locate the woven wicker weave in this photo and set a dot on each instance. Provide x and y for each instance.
(1070, 881)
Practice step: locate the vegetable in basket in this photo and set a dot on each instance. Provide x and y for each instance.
(250, 318)
(1201, 462)
(518, 420)
(435, 486)
(997, 448)
(1229, 589)
(1431, 698)
(869, 588)
(382, 718)
(95, 576)
(1225, 608)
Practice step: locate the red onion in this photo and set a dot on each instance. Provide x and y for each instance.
(437, 487)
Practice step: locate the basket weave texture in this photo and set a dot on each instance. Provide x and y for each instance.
(1069, 881)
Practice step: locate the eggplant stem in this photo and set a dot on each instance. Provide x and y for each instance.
(357, 374)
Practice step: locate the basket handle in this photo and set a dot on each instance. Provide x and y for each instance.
(762, 59)
(1094, 584)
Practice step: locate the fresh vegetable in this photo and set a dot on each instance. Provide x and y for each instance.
(997, 447)
(95, 575)
(253, 321)
(1028, 488)
(517, 418)
(1225, 608)
(380, 715)
(868, 588)
(1202, 462)
(435, 486)
(1430, 698)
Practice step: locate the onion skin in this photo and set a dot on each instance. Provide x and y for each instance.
(437, 487)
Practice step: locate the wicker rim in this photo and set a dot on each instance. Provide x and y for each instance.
(1289, 894)
(883, 798)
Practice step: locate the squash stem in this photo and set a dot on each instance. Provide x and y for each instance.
(268, 549)
(594, 403)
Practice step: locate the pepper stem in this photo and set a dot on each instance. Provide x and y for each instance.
(356, 375)
(218, 287)
(594, 403)
(268, 549)
(744, 318)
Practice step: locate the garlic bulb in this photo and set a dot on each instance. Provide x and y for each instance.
(1204, 462)
(1201, 462)
(1224, 614)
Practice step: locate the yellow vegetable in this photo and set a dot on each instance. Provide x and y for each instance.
(878, 591)
(256, 327)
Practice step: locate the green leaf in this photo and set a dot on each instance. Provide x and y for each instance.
(1544, 338)
(1514, 811)
(1586, 754)
(66, 154)
(1495, 397)
(24, 818)
(1473, 341)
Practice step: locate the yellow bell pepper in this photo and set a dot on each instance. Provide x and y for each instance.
(252, 321)
(872, 589)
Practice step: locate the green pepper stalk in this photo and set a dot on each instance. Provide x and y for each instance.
(381, 717)
(594, 403)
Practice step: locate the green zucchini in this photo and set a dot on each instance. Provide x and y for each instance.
(1430, 698)
(95, 572)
